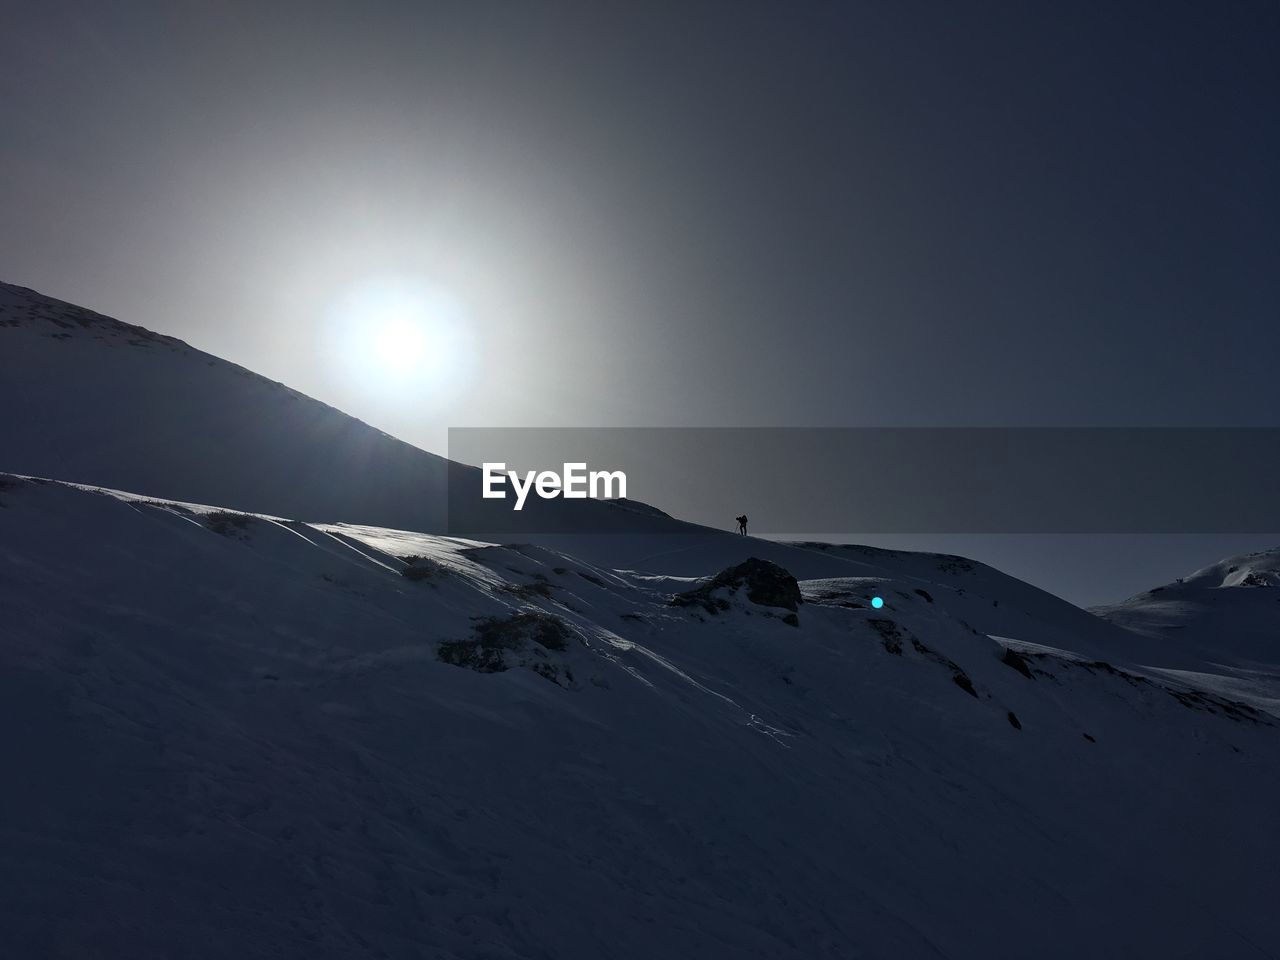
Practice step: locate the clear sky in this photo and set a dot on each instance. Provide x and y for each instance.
(677, 214)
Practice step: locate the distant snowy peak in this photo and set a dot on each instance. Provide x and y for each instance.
(1258, 569)
(25, 308)
(1227, 613)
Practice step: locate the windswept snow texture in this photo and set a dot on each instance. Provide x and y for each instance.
(230, 735)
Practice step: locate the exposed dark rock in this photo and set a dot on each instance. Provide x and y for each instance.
(890, 636)
(67, 316)
(1014, 721)
(1101, 666)
(965, 684)
(1016, 660)
(948, 563)
(958, 676)
(925, 594)
(766, 585)
(1209, 703)
(1192, 699)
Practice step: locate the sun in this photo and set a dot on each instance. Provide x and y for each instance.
(402, 341)
(399, 344)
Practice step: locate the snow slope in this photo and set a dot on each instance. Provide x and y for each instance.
(242, 734)
(989, 600)
(235, 735)
(92, 400)
(1226, 616)
(1229, 610)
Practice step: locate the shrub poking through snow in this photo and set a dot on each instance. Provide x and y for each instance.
(229, 524)
(420, 568)
(508, 632)
(520, 640)
(540, 587)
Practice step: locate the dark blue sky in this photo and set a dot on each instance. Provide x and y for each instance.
(651, 214)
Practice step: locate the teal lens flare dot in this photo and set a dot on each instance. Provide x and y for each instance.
(877, 602)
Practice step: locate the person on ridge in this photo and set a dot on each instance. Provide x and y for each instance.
(742, 524)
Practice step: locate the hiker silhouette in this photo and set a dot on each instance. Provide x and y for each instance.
(742, 524)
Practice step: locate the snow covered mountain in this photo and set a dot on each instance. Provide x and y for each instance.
(233, 735)
(1225, 616)
(320, 729)
(94, 400)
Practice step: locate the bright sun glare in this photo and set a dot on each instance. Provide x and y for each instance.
(404, 341)
(399, 343)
